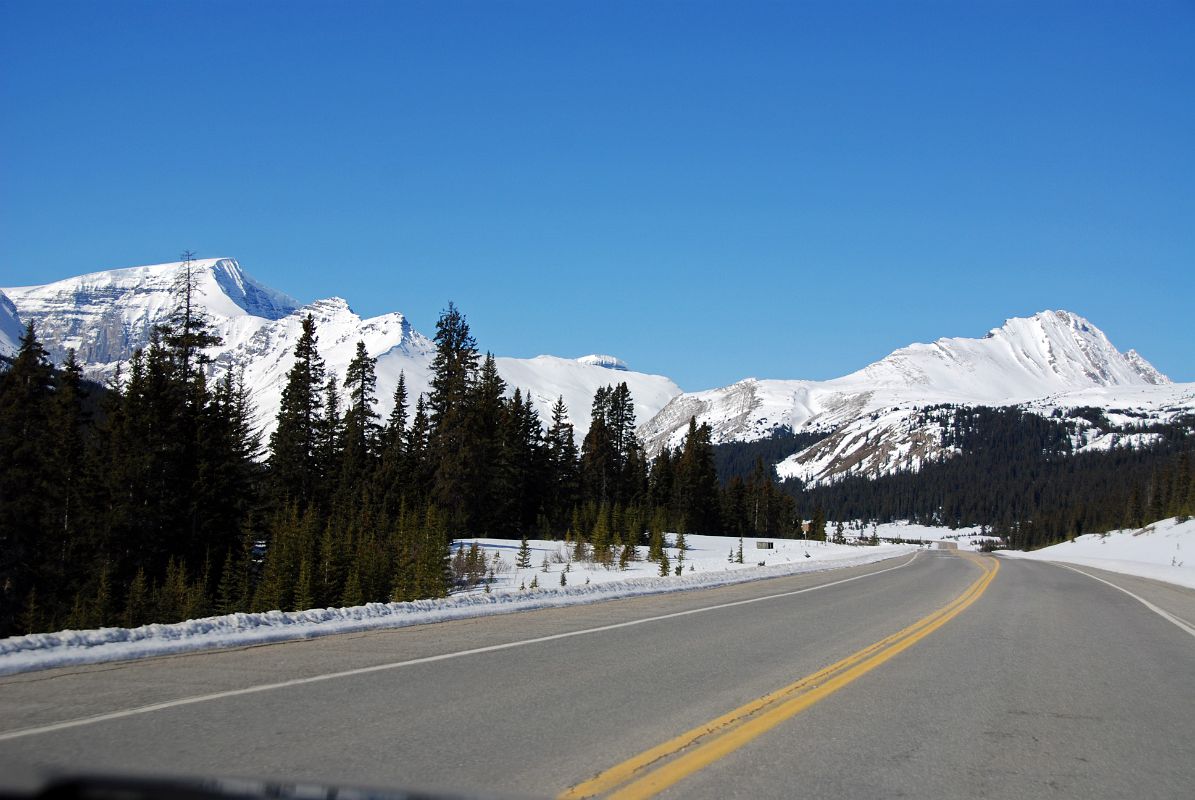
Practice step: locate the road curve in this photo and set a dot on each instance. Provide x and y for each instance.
(1048, 683)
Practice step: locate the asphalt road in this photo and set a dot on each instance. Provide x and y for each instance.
(1044, 683)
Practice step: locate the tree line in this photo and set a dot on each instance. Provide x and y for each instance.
(1021, 475)
(155, 498)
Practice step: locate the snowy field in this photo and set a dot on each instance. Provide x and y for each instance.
(966, 538)
(1164, 551)
(706, 563)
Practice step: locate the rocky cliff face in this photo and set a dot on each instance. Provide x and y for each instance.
(11, 326)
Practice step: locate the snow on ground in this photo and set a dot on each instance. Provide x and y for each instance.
(971, 538)
(964, 538)
(705, 565)
(1164, 551)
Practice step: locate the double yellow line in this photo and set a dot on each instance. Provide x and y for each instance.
(664, 765)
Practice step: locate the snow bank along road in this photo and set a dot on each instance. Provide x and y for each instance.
(944, 674)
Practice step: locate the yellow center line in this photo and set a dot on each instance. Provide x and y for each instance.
(696, 749)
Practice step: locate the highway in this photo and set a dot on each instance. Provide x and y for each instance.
(944, 674)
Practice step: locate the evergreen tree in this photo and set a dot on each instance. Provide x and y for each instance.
(294, 460)
(523, 559)
(417, 460)
(26, 395)
(66, 556)
(454, 369)
(396, 425)
(187, 331)
(564, 481)
(330, 440)
(485, 477)
(817, 526)
(696, 487)
(360, 420)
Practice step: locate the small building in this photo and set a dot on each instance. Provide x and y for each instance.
(763, 545)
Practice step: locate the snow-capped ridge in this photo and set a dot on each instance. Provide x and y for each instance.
(11, 328)
(609, 362)
(1024, 358)
(871, 418)
(256, 298)
(105, 316)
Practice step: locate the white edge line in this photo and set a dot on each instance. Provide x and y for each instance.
(1161, 612)
(266, 687)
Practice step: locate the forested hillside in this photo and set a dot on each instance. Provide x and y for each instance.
(1021, 475)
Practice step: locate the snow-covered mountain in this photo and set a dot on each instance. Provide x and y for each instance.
(874, 419)
(105, 316)
(11, 327)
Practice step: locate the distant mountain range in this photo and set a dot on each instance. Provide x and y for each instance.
(875, 421)
(105, 316)
(884, 418)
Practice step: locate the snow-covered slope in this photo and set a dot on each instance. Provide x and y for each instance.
(545, 378)
(872, 417)
(1156, 551)
(106, 316)
(11, 327)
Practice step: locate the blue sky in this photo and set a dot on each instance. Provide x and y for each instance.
(707, 190)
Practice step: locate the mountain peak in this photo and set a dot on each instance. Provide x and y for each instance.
(607, 361)
(104, 316)
(1048, 352)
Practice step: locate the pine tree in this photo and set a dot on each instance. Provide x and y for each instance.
(66, 551)
(523, 559)
(137, 601)
(305, 586)
(392, 480)
(600, 537)
(396, 424)
(417, 460)
(187, 332)
(360, 420)
(655, 547)
(352, 595)
(294, 460)
(330, 439)
(696, 482)
(228, 600)
(26, 391)
(598, 459)
(488, 506)
(817, 527)
(454, 369)
(561, 453)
